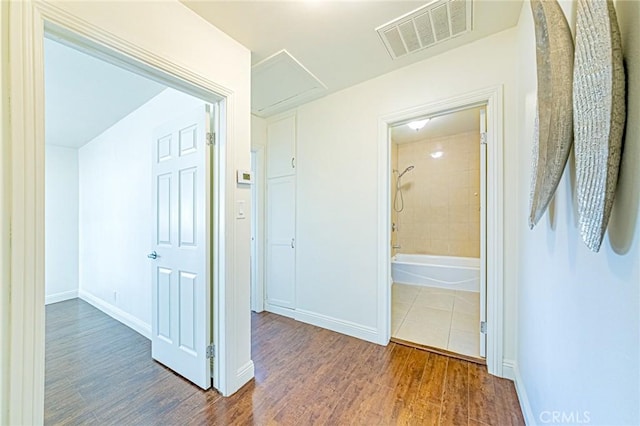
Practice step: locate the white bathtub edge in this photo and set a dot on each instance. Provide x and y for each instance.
(469, 288)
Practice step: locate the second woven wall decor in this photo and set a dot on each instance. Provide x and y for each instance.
(599, 114)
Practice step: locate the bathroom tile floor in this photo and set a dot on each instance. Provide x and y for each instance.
(441, 318)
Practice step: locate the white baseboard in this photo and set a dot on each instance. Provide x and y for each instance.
(245, 373)
(285, 312)
(118, 314)
(349, 328)
(60, 297)
(510, 370)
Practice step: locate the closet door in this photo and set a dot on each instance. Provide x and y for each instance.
(281, 146)
(281, 252)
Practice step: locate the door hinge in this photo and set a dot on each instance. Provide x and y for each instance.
(211, 351)
(211, 138)
(483, 138)
(483, 327)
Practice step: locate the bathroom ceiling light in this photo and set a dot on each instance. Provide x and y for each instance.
(437, 154)
(418, 124)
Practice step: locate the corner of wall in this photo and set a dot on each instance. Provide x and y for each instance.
(116, 313)
(510, 370)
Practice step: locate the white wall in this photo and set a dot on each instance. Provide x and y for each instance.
(61, 223)
(337, 178)
(5, 193)
(258, 146)
(578, 333)
(116, 211)
(258, 132)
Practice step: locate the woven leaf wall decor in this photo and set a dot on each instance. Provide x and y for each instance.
(599, 115)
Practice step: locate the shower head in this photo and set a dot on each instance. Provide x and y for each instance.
(408, 169)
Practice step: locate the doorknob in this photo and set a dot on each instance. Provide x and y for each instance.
(153, 255)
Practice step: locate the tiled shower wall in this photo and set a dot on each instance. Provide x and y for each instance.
(442, 196)
(394, 214)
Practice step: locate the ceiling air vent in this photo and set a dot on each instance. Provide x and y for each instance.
(426, 26)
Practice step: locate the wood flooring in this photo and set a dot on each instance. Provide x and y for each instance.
(100, 372)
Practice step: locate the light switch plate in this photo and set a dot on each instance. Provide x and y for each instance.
(240, 206)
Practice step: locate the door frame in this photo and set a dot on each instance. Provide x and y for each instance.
(492, 97)
(257, 229)
(30, 21)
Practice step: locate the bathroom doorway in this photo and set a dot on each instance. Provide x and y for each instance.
(438, 232)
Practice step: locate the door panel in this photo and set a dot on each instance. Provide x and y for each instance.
(163, 310)
(188, 207)
(280, 285)
(187, 306)
(281, 145)
(164, 209)
(181, 287)
(280, 292)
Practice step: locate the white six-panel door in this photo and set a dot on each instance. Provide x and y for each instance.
(180, 277)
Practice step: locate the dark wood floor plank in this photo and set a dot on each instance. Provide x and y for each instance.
(482, 396)
(507, 402)
(100, 372)
(455, 398)
(432, 387)
(411, 376)
(390, 374)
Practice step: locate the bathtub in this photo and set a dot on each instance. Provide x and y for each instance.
(454, 273)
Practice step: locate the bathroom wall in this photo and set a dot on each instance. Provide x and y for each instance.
(441, 213)
(394, 215)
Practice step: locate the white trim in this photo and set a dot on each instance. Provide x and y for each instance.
(523, 398)
(338, 325)
(246, 372)
(258, 219)
(285, 312)
(509, 369)
(26, 325)
(218, 263)
(493, 98)
(60, 297)
(117, 314)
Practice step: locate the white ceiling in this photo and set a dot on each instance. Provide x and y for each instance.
(336, 40)
(84, 95)
(444, 125)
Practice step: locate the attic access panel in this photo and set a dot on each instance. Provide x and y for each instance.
(279, 83)
(426, 26)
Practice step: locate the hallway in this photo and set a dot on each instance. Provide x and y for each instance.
(98, 371)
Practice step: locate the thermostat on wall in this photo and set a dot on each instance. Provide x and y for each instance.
(245, 176)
